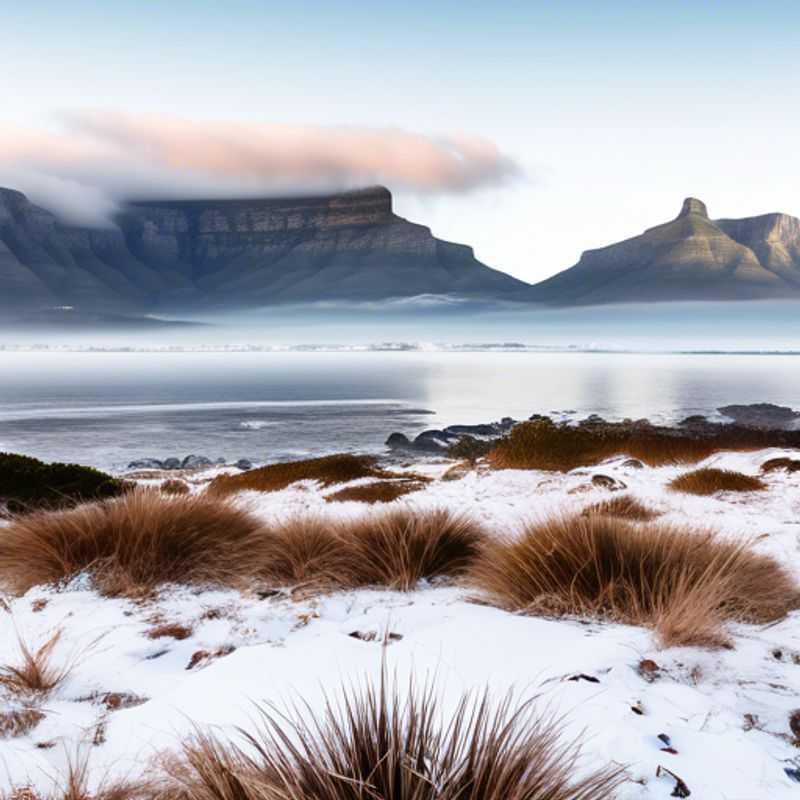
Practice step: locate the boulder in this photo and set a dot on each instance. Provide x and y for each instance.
(244, 464)
(607, 482)
(196, 462)
(146, 463)
(171, 463)
(398, 441)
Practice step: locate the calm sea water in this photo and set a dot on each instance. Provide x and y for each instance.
(107, 409)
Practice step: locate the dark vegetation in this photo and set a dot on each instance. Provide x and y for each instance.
(787, 464)
(27, 484)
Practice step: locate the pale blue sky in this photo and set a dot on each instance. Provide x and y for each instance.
(615, 110)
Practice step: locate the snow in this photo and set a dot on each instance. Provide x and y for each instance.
(287, 649)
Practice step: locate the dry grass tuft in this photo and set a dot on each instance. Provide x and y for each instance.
(35, 673)
(682, 583)
(19, 722)
(774, 464)
(379, 492)
(170, 630)
(327, 470)
(710, 481)
(129, 545)
(302, 553)
(381, 743)
(397, 549)
(174, 486)
(625, 507)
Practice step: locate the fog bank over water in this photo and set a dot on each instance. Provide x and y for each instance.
(432, 321)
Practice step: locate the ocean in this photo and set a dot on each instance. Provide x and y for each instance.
(107, 409)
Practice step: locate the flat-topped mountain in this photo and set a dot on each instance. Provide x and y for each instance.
(690, 258)
(181, 254)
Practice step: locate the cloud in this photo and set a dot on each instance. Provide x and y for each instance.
(100, 159)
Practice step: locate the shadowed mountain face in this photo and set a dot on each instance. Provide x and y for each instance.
(690, 258)
(172, 255)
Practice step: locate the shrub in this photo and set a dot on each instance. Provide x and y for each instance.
(174, 486)
(327, 470)
(378, 492)
(27, 484)
(656, 575)
(625, 507)
(129, 545)
(470, 449)
(710, 481)
(19, 722)
(399, 548)
(379, 742)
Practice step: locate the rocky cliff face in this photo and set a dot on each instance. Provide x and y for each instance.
(690, 258)
(228, 253)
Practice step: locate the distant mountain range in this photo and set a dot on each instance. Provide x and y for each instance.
(172, 256)
(690, 258)
(178, 255)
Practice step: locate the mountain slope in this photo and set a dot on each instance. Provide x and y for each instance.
(231, 253)
(690, 258)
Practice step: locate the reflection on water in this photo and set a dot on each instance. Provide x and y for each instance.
(110, 408)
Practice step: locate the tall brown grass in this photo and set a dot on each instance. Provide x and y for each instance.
(680, 582)
(327, 470)
(35, 672)
(787, 464)
(710, 481)
(133, 545)
(399, 548)
(129, 545)
(543, 444)
(382, 743)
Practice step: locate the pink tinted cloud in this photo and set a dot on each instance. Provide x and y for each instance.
(121, 155)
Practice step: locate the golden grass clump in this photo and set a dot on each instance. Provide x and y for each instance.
(709, 481)
(543, 444)
(35, 673)
(129, 545)
(624, 506)
(327, 470)
(682, 583)
(383, 743)
(175, 486)
(19, 722)
(378, 492)
(399, 548)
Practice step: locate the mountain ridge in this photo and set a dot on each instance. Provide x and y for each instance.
(183, 254)
(691, 257)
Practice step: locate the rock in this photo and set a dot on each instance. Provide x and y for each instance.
(472, 430)
(398, 441)
(197, 462)
(633, 463)
(694, 419)
(433, 441)
(146, 463)
(794, 723)
(244, 464)
(607, 482)
(761, 415)
(171, 463)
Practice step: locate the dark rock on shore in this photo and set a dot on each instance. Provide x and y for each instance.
(440, 440)
(761, 415)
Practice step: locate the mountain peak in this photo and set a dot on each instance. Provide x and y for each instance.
(691, 205)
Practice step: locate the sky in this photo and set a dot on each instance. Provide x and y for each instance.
(529, 130)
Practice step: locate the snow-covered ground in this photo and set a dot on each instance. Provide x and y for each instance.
(725, 712)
